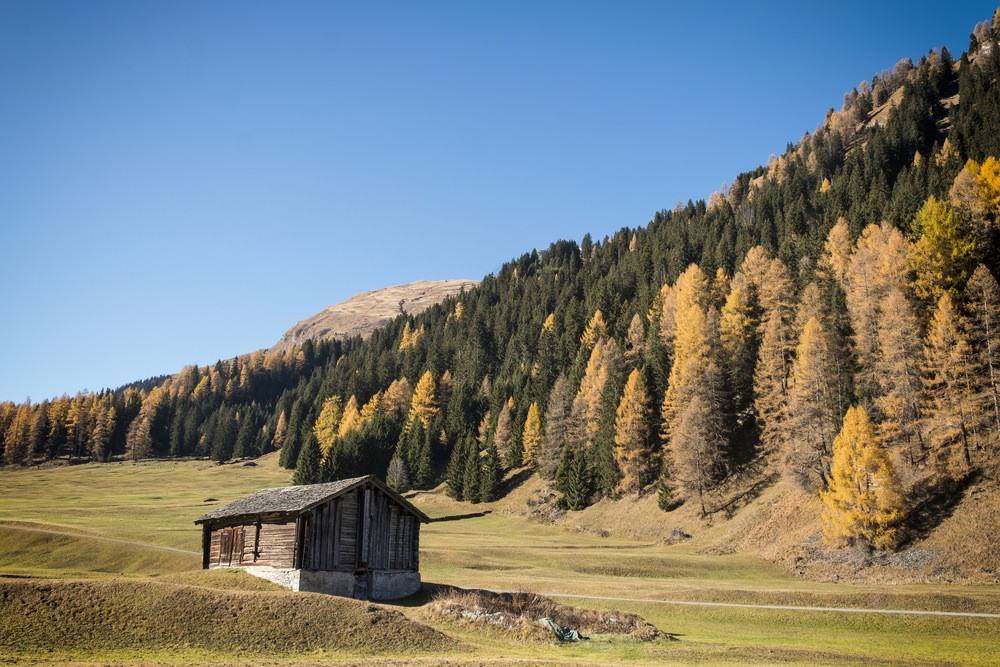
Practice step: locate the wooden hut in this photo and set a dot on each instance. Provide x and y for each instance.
(355, 537)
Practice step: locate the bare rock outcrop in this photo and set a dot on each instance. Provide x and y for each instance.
(362, 313)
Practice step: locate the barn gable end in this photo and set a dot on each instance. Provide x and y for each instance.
(355, 537)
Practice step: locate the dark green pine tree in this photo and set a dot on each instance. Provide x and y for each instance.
(606, 472)
(491, 477)
(573, 479)
(177, 433)
(330, 469)
(455, 485)
(308, 469)
(579, 485)
(402, 451)
(423, 468)
(224, 439)
(245, 438)
(515, 452)
(293, 441)
(665, 489)
(415, 439)
(470, 483)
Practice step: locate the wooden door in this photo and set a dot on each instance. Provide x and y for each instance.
(231, 542)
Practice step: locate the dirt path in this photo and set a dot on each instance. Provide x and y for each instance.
(94, 537)
(777, 606)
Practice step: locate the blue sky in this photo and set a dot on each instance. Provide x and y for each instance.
(182, 181)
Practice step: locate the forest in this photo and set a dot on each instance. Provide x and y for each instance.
(832, 315)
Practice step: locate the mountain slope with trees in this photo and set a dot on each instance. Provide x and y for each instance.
(854, 275)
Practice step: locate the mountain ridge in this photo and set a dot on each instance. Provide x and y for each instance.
(362, 313)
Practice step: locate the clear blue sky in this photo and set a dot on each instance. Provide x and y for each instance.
(182, 181)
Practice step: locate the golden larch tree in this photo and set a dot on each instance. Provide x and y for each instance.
(595, 331)
(811, 423)
(770, 382)
(897, 372)
(504, 428)
(424, 404)
(633, 449)
(737, 333)
(635, 342)
(837, 251)
(397, 398)
(989, 187)
(943, 257)
(948, 372)
(327, 427)
(864, 501)
(880, 261)
(373, 408)
(983, 303)
(351, 419)
(531, 439)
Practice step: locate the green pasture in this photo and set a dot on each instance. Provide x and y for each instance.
(155, 503)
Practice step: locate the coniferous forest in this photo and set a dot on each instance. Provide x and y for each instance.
(833, 315)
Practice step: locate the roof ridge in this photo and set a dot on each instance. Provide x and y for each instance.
(299, 498)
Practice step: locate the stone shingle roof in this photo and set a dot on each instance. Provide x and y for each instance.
(299, 499)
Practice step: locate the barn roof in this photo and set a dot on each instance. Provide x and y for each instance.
(300, 499)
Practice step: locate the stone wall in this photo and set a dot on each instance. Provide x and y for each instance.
(383, 585)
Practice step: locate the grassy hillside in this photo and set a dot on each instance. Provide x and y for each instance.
(65, 598)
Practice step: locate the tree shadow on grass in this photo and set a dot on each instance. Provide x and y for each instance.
(516, 479)
(940, 498)
(746, 496)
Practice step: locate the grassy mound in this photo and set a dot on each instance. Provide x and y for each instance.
(27, 552)
(135, 619)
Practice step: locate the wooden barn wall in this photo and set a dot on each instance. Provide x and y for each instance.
(363, 528)
(270, 541)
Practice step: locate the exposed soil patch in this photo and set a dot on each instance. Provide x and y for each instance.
(519, 613)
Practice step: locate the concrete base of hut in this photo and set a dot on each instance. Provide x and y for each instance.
(362, 586)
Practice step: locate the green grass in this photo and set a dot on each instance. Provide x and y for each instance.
(65, 598)
(150, 502)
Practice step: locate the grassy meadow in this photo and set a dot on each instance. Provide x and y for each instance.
(67, 598)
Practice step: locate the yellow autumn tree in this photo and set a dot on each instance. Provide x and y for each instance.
(351, 418)
(897, 371)
(633, 449)
(983, 303)
(424, 404)
(531, 439)
(864, 501)
(692, 406)
(837, 251)
(327, 427)
(879, 263)
(989, 186)
(374, 407)
(943, 257)
(948, 385)
(504, 428)
(811, 410)
(410, 337)
(664, 311)
(635, 341)
(737, 328)
(397, 398)
(596, 330)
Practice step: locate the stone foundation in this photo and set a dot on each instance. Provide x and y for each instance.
(363, 586)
